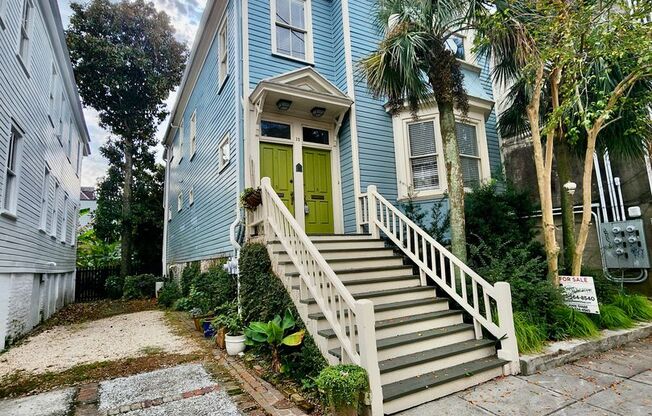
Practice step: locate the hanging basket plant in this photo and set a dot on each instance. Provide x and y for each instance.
(251, 198)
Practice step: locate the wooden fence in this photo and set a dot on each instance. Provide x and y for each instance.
(90, 283)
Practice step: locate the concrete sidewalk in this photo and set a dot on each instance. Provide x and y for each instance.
(618, 382)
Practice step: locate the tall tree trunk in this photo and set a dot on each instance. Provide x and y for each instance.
(587, 177)
(453, 178)
(126, 235)
(543, 165)
(562, 155)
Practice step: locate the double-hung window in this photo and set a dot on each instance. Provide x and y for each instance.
(193, 133)
(455, 44)
(467, 141)
(223, 51)
(25, 23)
(423, 155)
(291, 28)
(10, 197)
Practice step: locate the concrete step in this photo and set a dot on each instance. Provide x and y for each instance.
(419, 341)
(416, 364)
(394, 310)
(351, 264)
(416, 390)
(400, 326)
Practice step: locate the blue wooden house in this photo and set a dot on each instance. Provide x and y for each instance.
(272, 98)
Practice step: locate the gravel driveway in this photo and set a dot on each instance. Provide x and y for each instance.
(114, 338)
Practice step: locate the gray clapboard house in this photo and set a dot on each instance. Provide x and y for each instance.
(43, 138)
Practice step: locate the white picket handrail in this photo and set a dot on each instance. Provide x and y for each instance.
(448, 272)
(352, 320)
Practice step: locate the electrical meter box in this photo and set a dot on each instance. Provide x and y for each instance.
(623, 245)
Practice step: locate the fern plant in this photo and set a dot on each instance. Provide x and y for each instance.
(636, 307)
(531, 337)
(612, 317)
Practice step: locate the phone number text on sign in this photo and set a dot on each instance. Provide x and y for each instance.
(580, 293)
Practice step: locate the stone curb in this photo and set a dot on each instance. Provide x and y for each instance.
(563, 352)
(158, 401)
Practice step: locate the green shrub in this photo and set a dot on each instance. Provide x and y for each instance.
(637, 307)
(169, 294)
(612, 317)
(531, 337)
(182, 304)
(212, 289)
(188, 275)
(262, 296)
(570, 323)
(113, 286)
(139, 287)
(342, 386)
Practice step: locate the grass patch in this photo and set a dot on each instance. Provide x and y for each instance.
(573, 324)
(531, 338)
(151, 350)
(637, 307)
(20, 383)
(612, 317)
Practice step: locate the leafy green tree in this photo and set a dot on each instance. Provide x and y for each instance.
(554, 45)
(413, 64)
(126, 62)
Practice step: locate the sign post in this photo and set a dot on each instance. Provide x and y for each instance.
(580, 294)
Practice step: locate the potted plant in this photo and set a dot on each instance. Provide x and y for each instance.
(225, 314)
(275, 334)
(234, 338)
(343, 388)
(251, 198)
(208, 329)
(195, 313)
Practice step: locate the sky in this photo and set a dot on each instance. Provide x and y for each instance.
(185, 16)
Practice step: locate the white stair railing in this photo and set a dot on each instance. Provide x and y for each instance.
(448, 272)
(352, 320)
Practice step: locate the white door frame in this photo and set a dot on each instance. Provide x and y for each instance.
(297, 143)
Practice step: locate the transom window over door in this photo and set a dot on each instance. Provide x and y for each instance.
(291, 28)
(467, 141)
(423, 155)
(274, 129)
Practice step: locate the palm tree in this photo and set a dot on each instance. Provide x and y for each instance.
(413, 65)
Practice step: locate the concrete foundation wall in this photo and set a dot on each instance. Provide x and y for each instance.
(27, 299)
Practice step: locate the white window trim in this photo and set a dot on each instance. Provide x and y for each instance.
(179, 201)
(45, 199)
(310, 59)
(193, 134)
(191, 197)
(223, 51)
(10, 211)
(25, 32)
(402, 146)
(222, 164)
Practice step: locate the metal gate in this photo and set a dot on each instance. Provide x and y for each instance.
(90, 283)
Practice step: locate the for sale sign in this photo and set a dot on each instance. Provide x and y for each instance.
(580, 293)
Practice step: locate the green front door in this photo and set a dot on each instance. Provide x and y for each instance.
(276, 163)
(318, 191)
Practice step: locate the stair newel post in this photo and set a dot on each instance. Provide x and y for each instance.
(366, 323)
(509, 346)
(373, 211)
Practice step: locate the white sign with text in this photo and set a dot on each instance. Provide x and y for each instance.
(580, 293)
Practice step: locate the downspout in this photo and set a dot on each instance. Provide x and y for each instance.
(239, 135)
(166, 208)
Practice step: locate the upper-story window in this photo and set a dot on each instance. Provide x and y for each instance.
(223, 50)
(179, 201)
(10, 198)
(191, 196)
(182, 135)
(193, 133)
(467, 141)
(55, 210)
(45, 194)
(291, 32)
(25, 23)
(53, 94)
(423, 155)
(62, 115)
(224, 153)
(455, 43)
(64, 223)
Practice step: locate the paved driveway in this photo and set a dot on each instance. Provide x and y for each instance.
(617, 382)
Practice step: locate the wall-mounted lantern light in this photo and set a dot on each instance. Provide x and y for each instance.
(317, 111)
(283, 105)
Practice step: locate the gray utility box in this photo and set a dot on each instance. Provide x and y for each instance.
(624, 245)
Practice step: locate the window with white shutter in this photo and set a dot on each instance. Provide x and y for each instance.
(193, 133)
(423, 155)
(467, 141)
(12, 170)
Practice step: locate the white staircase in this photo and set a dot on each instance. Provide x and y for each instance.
(389, 309)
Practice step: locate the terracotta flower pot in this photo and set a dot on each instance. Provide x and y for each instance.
(220, 338)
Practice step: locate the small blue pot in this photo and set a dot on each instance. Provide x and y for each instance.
(209, 331)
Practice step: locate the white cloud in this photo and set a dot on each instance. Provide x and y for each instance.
(184, 16)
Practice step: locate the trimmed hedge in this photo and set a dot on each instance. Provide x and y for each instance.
(262, 296)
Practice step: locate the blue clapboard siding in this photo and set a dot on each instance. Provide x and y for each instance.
(262, 64)
(25, 104)
(201, 231)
